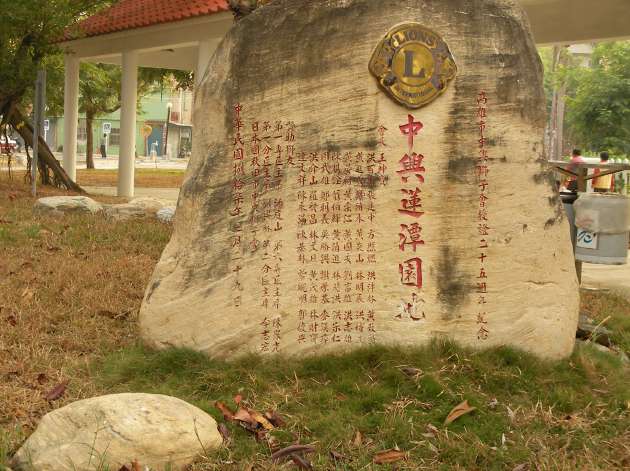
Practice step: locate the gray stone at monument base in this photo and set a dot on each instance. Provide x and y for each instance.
(307, 250)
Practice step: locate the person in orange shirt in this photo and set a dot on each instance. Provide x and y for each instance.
(605, 183)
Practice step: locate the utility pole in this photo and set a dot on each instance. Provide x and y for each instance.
(38, 121)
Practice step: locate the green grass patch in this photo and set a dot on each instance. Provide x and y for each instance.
(525, 406)
(614, 311)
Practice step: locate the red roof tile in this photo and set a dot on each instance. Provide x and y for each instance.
(132, 14)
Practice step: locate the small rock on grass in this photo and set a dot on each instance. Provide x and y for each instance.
(108, 431)
(166, 214)
(67, 204)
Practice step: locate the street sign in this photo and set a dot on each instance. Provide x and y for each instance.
(46, 125)
(107, 128)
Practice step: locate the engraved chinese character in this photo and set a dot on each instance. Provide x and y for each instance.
(411, 164)
(411, 309)
(411, 272)
(381, 133)
(411, 129)
(483, 333)
(411, 237)
(411, 205)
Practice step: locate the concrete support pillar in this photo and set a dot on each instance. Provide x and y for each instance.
(128, 96)
(70, 115)
(206, 48)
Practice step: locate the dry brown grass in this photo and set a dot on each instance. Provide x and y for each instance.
(144, 178)
(70, 289)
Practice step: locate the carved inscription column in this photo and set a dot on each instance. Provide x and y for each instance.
(272, 146)
(236, 209)
(411, 173)
(482, 171)
(336, 245)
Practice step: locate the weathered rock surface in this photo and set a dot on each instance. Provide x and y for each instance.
(124, 211)
(67, 204)
(138, 208)
(166, 214)
(304, 223)
(150, 205)
(108, 432)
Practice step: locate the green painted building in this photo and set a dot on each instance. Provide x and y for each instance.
(151, 135)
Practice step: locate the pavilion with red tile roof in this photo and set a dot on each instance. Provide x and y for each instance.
(133, 14)
(183, 34)
(170, 34)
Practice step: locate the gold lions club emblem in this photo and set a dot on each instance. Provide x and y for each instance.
(413, 64)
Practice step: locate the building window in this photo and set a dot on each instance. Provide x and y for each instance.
(114, 137)
(81, 131)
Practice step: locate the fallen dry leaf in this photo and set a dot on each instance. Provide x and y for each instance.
(336, 456)
(433, 429)
(114, 315)
(412, 372)
(56, 392)
(42, 378)
(243, 415)
(275, 418)
(458, 411)
(238, 399)
(389, 456)
(358, 439)
(258, 417)
(225, 433)
(301, 462)
(135, 466)
(225, 410)
(273, 443)
(288, 451)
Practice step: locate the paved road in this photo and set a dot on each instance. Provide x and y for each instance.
(614, 277)
(166, 194)
(111, 163)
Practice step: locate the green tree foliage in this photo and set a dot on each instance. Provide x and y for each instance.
(599, 111)
(28, 37)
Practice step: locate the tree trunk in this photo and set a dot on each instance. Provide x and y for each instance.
(89, 150)
(46, 159)
(557, 107)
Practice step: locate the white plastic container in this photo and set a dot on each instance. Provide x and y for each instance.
(603, 228)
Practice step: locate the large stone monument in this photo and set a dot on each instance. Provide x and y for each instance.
(368, 172)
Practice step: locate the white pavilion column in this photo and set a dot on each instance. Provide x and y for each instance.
(128, 97)
(203, 58)
(70, 115)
